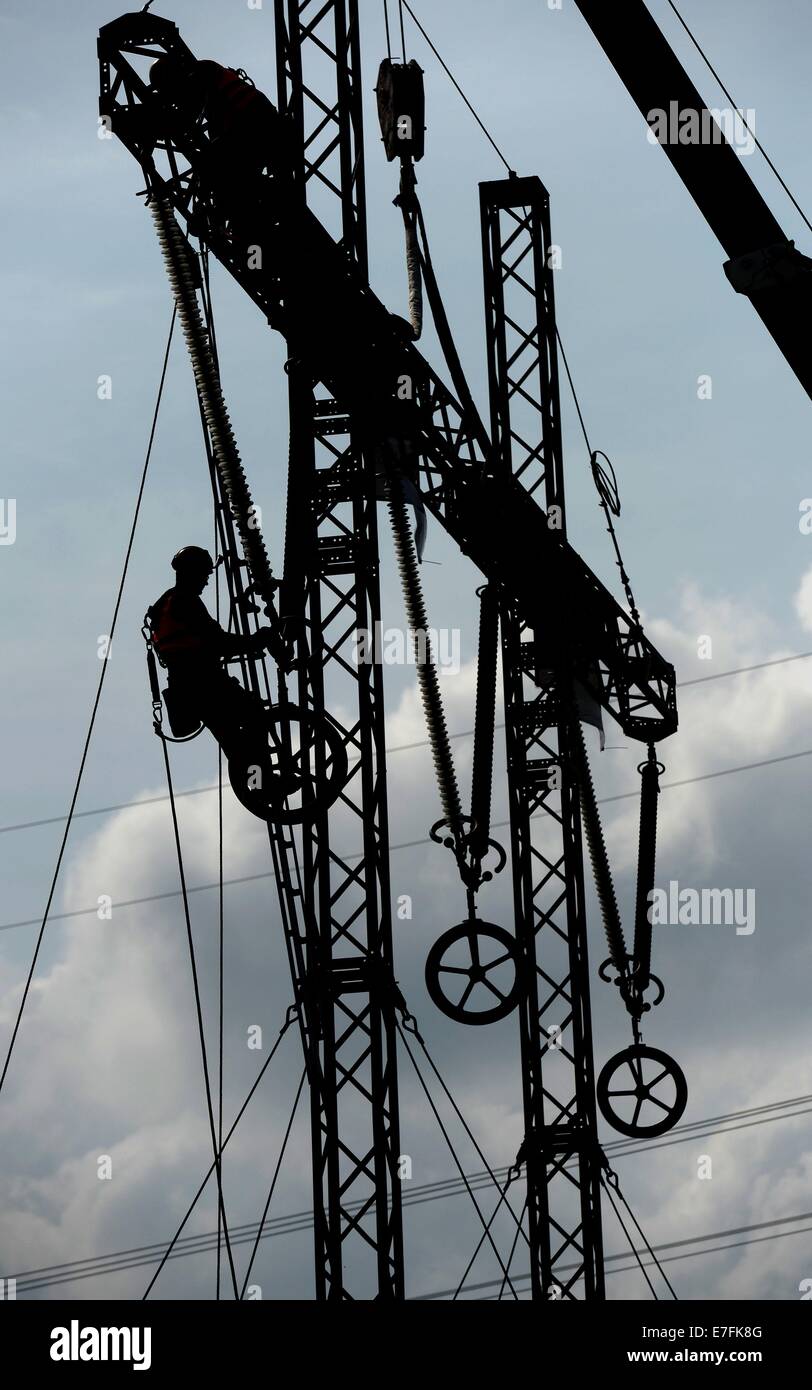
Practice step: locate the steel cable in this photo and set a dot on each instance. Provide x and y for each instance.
(94, 710)
(216, 1149)
(485, 1225)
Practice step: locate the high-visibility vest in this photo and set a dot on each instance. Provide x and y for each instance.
(229, 99)
(169, 637)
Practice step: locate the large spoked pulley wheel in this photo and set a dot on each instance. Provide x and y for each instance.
(289, 771)
(472, 973)
(642, 1092)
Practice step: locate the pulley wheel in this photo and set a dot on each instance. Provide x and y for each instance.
(291, 770)
(472, 973)
(642, 1092)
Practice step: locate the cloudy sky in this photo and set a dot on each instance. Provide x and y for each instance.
(107, 1061)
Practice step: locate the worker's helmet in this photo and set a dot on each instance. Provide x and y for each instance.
(190, 558)
(169, 69)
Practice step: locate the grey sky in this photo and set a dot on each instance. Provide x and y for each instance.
(711, 492)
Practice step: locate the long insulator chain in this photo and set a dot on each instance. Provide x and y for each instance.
(406, 199)
(415, 280)
(176, 254)
(482, 778)
(426, 671)
(599, 859)
(646, 868)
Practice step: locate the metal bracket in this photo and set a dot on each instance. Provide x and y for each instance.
(767, 268)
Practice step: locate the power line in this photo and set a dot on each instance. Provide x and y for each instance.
(669, 1259)
(723, 772)
(102, 810)
(738, 110)
(717, 1249)
(739, 670)
(394, 748)
(137, 1256)
(405, 844)
(245, 1235)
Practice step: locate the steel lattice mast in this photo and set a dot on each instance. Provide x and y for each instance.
(560, 1150)
(332, 586)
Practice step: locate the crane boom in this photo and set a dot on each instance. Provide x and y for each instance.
(356, 348)
(763, 262)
